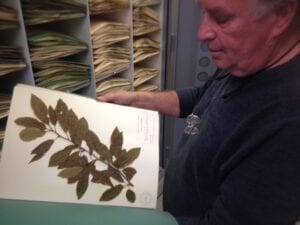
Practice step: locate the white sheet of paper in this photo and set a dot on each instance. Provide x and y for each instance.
(20, 179)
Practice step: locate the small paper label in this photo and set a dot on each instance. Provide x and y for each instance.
(146, 128)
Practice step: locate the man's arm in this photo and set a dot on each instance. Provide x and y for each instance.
(165, 102)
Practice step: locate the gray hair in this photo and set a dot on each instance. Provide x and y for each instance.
(266, 6)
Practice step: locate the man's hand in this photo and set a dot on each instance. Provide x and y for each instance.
(165, 102)
(119, 97)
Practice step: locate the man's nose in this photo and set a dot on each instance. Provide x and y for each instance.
(206, 31)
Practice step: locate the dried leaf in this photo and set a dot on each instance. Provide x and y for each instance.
(104, 153)
(39, 109)
(92, 141)
(61, 110)
(52, 115)
(70, 123)
(60, 156)
(61, 107)
(84, 172)
(73, 180)
(82, 185)
(102, 177)
(35, 158)
(79, 131)
(42, 148)
(62, 119)
(74, 160)
(82, 128)
(70, 172)
(116, 142)
(31, 133)
(71, 119)
(129, 172)
(130, 195)
(30, 122)
(111, 193)
(127, 158)
(115, 175)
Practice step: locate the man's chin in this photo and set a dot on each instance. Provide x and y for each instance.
(231, 68)
(220, 63)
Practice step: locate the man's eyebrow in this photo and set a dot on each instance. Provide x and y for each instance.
(219, 11)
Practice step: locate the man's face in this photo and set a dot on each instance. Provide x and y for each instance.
(237, 41)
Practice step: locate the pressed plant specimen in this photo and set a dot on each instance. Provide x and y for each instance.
(77, 161)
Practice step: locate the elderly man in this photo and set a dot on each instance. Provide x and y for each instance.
(238, 162)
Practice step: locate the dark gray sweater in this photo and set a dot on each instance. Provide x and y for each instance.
(243, 166)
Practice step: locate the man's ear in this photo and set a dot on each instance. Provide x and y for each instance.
(285, 16)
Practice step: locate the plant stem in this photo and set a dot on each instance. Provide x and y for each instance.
(117, 170)
(96, 158)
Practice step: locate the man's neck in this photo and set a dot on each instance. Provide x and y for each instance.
(287, 49)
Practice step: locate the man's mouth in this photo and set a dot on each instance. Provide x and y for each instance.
(214, 50)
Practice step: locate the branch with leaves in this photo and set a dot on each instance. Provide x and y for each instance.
(77, 161)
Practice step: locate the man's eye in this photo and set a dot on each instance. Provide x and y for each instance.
(221, 19)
